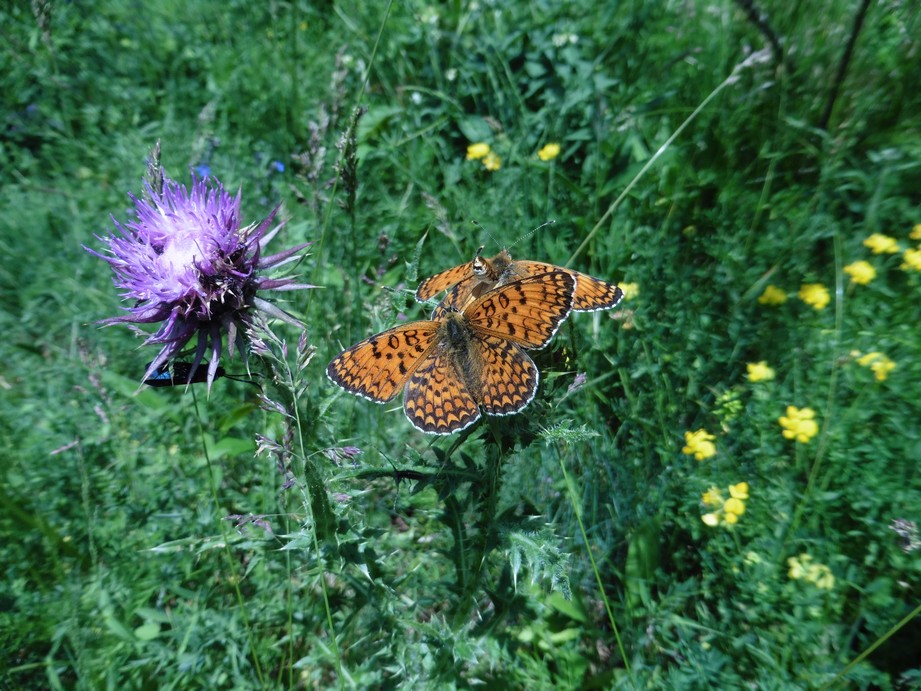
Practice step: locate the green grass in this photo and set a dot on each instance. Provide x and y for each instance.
(559, 548)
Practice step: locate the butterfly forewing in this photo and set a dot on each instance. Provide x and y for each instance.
(475, 279)
(378, 367)
(436, 400)
(527, 312)
(591, 293)
(438, 283)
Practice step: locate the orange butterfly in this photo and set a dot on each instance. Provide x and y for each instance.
(453, 367)
(468, 281)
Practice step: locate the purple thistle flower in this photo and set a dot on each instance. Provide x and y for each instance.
(186, 261)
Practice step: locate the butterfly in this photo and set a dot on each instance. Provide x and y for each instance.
(469, 281)
(452, 368)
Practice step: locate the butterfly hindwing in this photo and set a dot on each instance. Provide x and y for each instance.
(593, 294)
(437, 400)
(508, 376)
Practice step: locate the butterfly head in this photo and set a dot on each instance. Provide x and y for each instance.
(480, 265)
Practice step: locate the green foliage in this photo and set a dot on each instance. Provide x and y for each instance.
(308, 538)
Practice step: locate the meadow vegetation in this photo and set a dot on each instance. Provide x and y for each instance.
(716, 485)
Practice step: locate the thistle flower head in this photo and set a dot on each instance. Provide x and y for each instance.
(187, 263)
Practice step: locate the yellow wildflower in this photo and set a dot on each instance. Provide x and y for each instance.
(915, 233)
(739, 491)
(759, 371)
(699, 444)
(733, 506)
(822, 576)
(912, 259)
(773, 295)
(878, 363)
(798, 566)
(861, 272)
(549, 152)
(711, 519)
(814, 294)
(799, 424)
(751, 558)
(492, 161)
(730, 510)
(630, 290)
(477, 151)
(826, 581)
(803, 568)
(712, 497)
(881, 244)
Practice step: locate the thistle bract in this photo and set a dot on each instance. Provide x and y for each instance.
(187, 263)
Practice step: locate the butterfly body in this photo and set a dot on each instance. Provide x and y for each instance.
(452, 367)
(471, 280)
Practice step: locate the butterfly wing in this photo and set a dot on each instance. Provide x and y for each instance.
(508, 377)
(378, 367)
(481, 275)
(591, 293)
(436, 400)
(527, 312)
(430, 287)
(461, 295)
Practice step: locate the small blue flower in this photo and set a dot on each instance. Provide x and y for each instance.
(278, 166)
(203, 170)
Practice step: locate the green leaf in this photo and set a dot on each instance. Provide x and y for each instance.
(147, 632)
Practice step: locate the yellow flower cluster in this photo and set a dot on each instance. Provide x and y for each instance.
(912, 259)
(699, 444)
(481, 151)
(877, 362)
(861, 272)
(884, 244)
(759, 371)
(881, 244)
(803, 568)
(814, 294)
(727, 512)
(799, 424)
(549, 152)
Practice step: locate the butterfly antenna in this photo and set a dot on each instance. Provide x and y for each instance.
(527, 235)
(485, 230)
